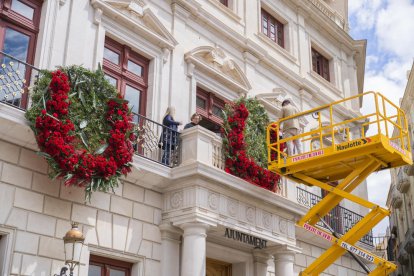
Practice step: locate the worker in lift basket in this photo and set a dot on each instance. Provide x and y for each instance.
(291, 128)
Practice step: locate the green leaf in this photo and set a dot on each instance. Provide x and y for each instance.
(84, 138)
(68, 176)
(93, 99)
(44, 154)
(101, 149)
(80, 95)
(44, 101)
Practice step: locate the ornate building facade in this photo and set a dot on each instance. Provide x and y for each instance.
(189, 217)
(401, 196)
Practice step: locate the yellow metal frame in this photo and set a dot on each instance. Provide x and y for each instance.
(351, 161)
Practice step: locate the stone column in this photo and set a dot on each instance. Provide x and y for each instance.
(284, 261)
(260, 259)
(170, 250)
(194, 249)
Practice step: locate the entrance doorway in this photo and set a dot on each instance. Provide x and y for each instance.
(217, 268)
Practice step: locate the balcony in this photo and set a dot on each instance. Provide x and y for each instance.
(16, 77)
(339, 218)
(403, 183)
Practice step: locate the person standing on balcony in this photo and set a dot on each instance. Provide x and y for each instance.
(291, 128)
(169, 137)
(195, 120)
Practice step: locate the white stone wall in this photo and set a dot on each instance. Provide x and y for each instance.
(38, 212)
(344, 266)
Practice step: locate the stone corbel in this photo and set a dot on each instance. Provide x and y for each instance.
(190, 69)
(165, 55)
(62, 2)
(98, 16)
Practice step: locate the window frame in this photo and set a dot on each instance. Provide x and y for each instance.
(279, 32)
(106, 263)
(320, 64)
(121, 73)
(211, 100)
(17, 22)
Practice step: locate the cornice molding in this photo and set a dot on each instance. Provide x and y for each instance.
(214, 61)
(135, 15)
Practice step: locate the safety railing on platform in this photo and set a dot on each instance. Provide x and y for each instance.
(340, 219)
(156, 141)
(16, 77)
(328, 128)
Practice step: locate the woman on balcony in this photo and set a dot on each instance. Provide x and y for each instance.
(169, 137)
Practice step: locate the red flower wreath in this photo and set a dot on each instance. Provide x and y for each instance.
(56, 137)
(237, 162)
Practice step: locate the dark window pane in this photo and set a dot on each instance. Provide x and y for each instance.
(132, 95)
(111, 56)
(23, 9)
(217, 111)
(94, 270)
(135, 68)
(200, 102)
(16, 44)
(116, 272)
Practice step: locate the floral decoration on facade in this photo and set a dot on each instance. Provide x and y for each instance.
(244, 143)
(82, 127)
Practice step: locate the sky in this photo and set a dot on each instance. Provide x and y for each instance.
(388, 26)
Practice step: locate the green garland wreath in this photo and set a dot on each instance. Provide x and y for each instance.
(83, 128)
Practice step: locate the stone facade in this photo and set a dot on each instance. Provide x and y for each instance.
(167, 221)
(401, 198)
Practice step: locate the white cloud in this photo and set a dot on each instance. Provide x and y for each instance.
(378, 186)
(365, 12)
(389, 25)
(394, 28)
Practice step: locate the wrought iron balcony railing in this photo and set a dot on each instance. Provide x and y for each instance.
(339, 218)
(157, 142)
(15, 78)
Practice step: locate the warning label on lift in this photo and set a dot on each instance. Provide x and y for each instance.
(357, 251)
(367, 256)
(307, 155)
(353, 144)
(397, 147)
(318, 232)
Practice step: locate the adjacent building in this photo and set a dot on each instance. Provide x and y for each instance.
(401, 196)
(184, 218)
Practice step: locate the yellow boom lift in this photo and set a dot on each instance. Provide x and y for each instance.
(339, 155)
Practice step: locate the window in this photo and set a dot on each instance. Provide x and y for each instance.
(19, 26)
(272, 28)
(100, 266)
(210, 108)
(128, 72)
(320, 64)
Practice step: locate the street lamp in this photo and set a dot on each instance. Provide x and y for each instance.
(73, 241)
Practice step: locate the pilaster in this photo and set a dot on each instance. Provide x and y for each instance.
(170, 250)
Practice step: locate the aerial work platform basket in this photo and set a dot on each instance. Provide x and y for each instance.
(340, 149)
